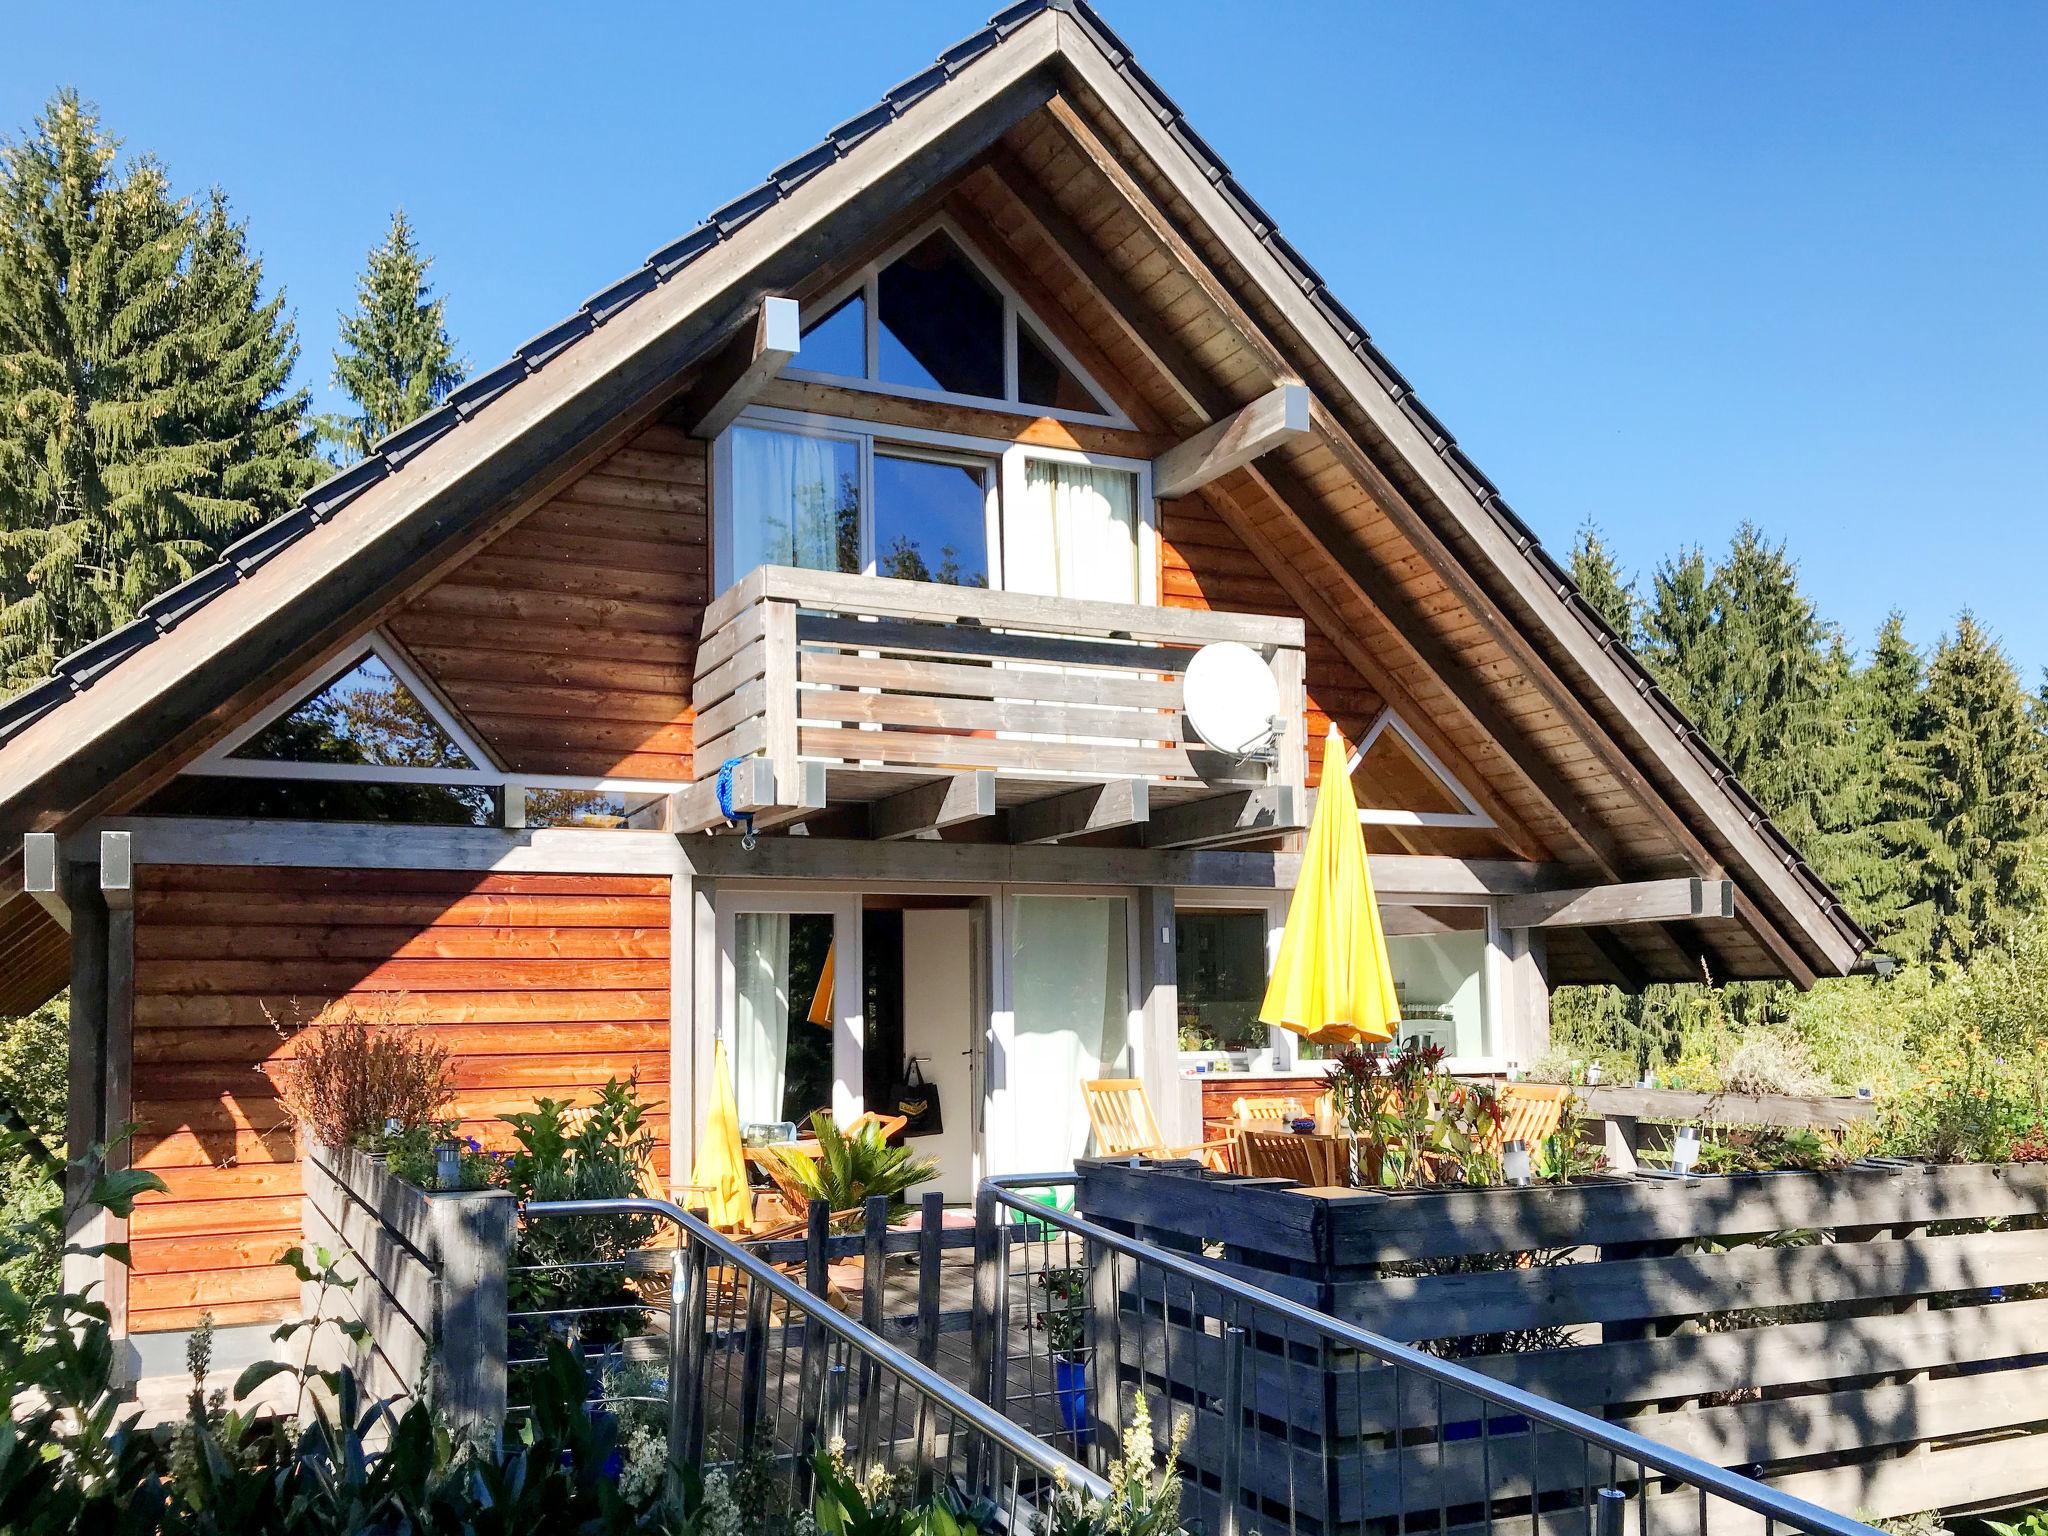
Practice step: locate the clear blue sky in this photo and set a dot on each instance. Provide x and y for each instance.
(1664, 266)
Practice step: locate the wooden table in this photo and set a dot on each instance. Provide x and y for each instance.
(1325, 1159)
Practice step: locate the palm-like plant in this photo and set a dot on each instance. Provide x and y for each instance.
(850, 1168)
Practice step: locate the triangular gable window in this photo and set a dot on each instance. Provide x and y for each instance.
(929, 319)
(370, 713)
(1399, 782)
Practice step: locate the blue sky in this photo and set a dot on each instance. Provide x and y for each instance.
(1663, 266)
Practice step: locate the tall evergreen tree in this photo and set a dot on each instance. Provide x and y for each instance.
(1870, 727)
(144, 417)
(1612, 595)
(1966, 794)
(395, 360)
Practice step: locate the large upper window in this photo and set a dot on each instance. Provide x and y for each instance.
(929, 320)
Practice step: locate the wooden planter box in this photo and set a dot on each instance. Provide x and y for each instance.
(430, 1283)
(1882, 1352)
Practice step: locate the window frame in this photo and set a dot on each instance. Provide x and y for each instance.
(1473, 817)
(1015, 313)
(1007, 457)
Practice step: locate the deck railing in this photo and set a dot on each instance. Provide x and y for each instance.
(885, 681)
(1297, 1422)
(743, 1367)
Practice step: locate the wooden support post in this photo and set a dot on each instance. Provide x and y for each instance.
(874, 1281)
(747, 361)
(1100, 1336)
(1275, 419)
(1159, 1013)
(1092, 808)
(778, 679)
(931, 1230)
(40, 877)
(472, 1234)
(1221, 820)
(926, 809)
(117, 893)
(1620, 1133)
(85, 1119)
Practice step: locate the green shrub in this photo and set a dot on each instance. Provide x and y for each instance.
(848, 1170)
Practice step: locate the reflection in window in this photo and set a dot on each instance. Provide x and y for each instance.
(939, 323)
(782, 1061)
(1220, 964)
(595, 808)
(1439, 961)
(1042, 379)
(796, 501)
(444, 805)
(365, 716)
(839, 342)
(931, 520)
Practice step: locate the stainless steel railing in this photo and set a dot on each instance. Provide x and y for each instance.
(1300, 1423)
(745, 1369)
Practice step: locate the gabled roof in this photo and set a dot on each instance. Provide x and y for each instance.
(556, 392)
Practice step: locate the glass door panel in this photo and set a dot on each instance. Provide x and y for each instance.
(791, 1009)
(1070, 1004)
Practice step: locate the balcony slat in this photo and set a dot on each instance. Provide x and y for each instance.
(985, 682)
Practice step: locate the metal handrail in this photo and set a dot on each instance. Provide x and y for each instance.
(985, 1420)
(1759, 1498)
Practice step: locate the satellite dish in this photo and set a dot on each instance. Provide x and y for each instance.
(1231, 698)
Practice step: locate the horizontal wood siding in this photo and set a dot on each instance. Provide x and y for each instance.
(537, 985)
(568, 643)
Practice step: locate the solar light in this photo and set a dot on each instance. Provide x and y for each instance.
(448, 1166)
(1514, 1163)
(1685, 1151)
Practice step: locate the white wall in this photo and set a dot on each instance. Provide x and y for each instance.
(939, 1025)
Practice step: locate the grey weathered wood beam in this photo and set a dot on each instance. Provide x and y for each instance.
(1635, 901)
(927, 808)
(747, 361)
(1275, 419)
(1092, 808)
(755, 788)
(1224, 819)
(39, 877)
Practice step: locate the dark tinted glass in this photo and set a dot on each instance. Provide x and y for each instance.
(1042, 379)
(940, 323)
(930, 521)
(838, 343)
(364, 716)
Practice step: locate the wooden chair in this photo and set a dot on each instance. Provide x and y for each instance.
(1531, 1112)
(1310, 1160)
(1274, 1109)
(1125, 1126)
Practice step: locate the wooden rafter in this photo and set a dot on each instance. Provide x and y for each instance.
(750, 358)
(1275, 419)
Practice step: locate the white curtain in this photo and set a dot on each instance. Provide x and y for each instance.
(789, 496)
(1070, 998)
(1075, 533)
(761, 1028)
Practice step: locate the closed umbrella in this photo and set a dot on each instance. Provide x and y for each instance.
(1332, 981)
(720, 1169)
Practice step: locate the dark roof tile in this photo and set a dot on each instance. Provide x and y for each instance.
(794, 173)
(337, 491)
(968, 49)
(677, 254)
(84, 665)
(907, 93)
(540, 349)
(854, 129)
(252, 549)
(399, 446)
(30, 705)
(487, 386)
(607, 302)
(167, 608)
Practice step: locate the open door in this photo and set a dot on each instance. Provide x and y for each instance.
(789, 999)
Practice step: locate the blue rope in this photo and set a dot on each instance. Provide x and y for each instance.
(725, 799)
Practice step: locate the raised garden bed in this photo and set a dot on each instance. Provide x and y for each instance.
(1814, 1328)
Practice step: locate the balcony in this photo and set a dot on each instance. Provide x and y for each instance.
(934, 706)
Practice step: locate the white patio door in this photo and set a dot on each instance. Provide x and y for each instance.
(1069, 988)
(789, 1004)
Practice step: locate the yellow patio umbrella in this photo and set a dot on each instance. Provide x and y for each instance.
(1332, 981)
(720, 1168)
(820, 1011)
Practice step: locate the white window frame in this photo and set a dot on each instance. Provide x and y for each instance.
(218, 760)
(849, 1021)
(1008, 457)
(1280, 1043)
(1015, 313)
(1493, 982)
(1474, 815)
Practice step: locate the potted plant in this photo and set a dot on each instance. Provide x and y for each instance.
(1065, 1335)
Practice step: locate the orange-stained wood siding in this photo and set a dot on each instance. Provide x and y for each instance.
(537, 985)
(1203, 564)
(567, 644)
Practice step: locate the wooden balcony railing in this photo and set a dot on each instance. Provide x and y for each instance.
(837, 688)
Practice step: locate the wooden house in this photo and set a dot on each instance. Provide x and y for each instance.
(887, 507)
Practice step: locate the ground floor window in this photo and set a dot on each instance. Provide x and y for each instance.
(1439, 958)
(1220, 966)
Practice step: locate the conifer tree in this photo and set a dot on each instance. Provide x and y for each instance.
(1601, 583)
(145, 421)
(395, 361)
(1966, 794)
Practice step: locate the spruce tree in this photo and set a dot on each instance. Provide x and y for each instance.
(396, 361)
(1855, 854)
(1966, 794)
(1601, 583)
(144, 417)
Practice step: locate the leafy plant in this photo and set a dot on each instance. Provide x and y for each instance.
(1141, 1502)
(598, 1152)
(1567, 1155)
(2033, 1523)
(1064, 1318)
(354, 1071)
(414, 1155)
(848, 1170)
